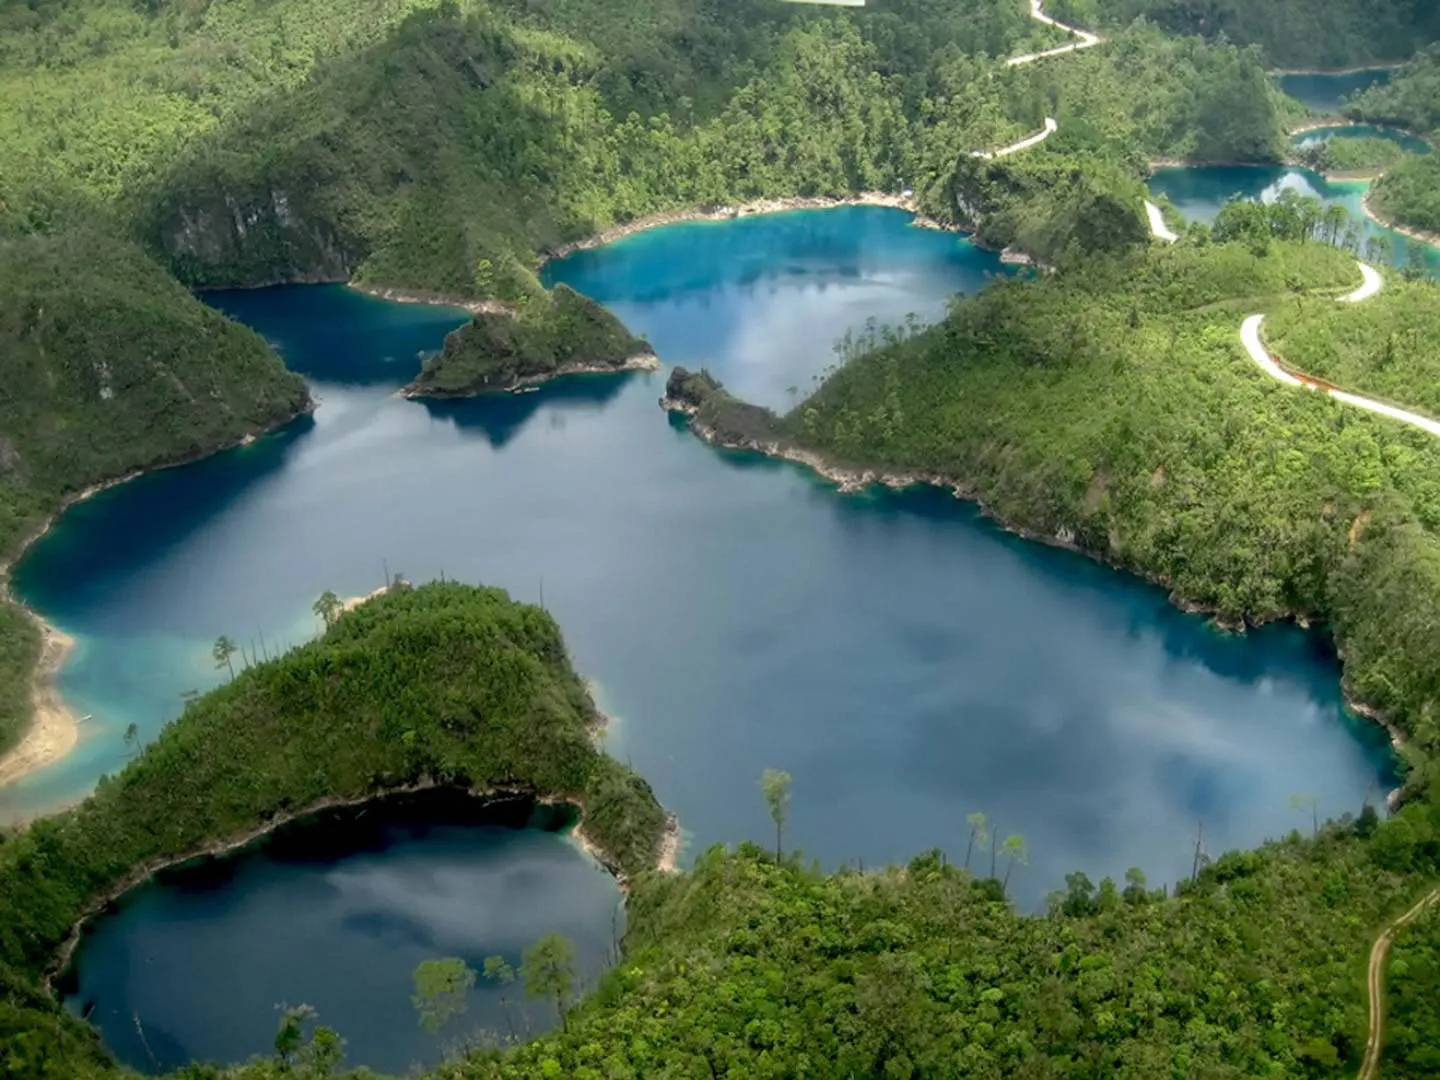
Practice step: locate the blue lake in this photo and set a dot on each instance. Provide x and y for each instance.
(1412, 143)
(1326, 92)
(336, 915)
(905, 660)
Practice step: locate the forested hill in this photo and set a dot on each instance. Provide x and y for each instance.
(443, 147)
(1330, 34)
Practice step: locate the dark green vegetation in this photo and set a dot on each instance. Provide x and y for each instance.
(1412, 1044)
(1335, 155)
(1328, 34)
(445, 148)
(1409, 193)
(107, 367)
(555, 333)
(445, 684)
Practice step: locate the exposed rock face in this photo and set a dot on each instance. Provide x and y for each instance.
(258, 238)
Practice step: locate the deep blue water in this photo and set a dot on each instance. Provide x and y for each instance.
(197, 965)
(907, 662)
(1326, 93)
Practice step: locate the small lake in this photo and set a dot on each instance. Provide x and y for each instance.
(905, 660)
(336, 913)
(1325, 93)
(1404, 139)
(1199, 193)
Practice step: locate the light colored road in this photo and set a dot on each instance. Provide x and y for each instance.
(1024, 144)
(1375, 986)
(1250, 337)
(1372, 285)
(1160, 229)
(1037, 11)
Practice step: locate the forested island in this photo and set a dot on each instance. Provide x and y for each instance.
(1103, 403)
(555, 333)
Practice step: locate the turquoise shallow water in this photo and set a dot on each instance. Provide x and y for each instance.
(906, 661)
(1199, 193)
(1413, 143)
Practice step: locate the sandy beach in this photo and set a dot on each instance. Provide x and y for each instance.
(54, 729)
(1410, 234)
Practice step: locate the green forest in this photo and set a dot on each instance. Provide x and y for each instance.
(1102, 402)
(1295, 34)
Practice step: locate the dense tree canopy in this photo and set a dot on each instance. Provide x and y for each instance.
(1294, 33)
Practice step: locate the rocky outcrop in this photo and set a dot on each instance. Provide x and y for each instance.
(264, 237)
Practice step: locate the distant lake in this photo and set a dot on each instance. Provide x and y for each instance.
(1326, 93)
(1199, 193)
(905, 660)
(1412, 143)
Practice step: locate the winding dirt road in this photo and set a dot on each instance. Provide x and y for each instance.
(1024, 144)
(1375, 985)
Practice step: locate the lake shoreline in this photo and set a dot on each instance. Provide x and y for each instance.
(61, 727)
(1418, 235)
(640, 361)
(433, 299)
(1387, 66)
(754, 208)
(664, 860)
(853, 480)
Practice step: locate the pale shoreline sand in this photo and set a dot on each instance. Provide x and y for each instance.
(749, 209)
(54, 729)
(1419, 235)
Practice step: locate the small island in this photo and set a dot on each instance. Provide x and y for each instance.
(555, 333)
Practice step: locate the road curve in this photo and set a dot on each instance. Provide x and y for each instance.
(1375, 986)
(1024, 144)
(1372, 285)
(1037, 12)
(1250, 337)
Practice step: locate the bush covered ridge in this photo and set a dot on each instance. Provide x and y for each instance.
(1296, 34)
(558, 332)
(445, 684)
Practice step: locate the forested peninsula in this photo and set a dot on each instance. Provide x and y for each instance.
(445, 149)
